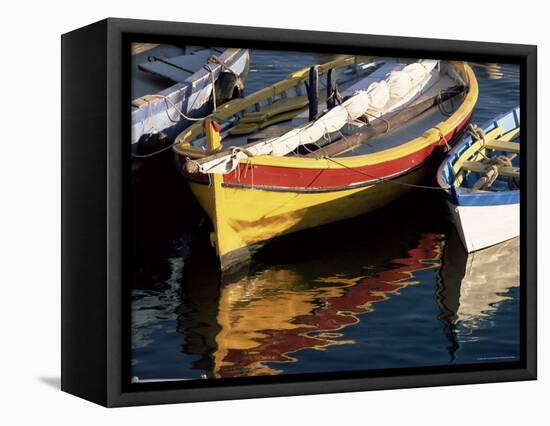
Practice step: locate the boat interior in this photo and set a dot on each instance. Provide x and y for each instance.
(158, 67)
(293, 111)
(471, 167)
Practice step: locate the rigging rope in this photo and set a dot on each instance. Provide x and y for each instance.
(152, 154)
(180, 112)
(492, 164)
(412, 185)
(212, 59)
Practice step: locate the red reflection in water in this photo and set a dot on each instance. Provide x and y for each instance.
(335, 313)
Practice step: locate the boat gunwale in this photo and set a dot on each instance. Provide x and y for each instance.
(429, 137)
(179, 93)
(319, 189)
(456, 193)
(194, 78)
(234, 181)
(236, 106)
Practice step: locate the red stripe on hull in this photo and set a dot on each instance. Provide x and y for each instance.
(290, 177)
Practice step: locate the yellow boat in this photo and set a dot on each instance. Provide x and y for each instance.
(253, 198)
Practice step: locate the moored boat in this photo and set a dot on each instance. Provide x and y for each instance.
(170, 83)
(288, 158)
(481, 179)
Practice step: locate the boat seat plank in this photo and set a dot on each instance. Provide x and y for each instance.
(478, 167)
(497, 145)
(508, 136)
(247, 128)
(279, 107)
(184, 66)
(474, 148)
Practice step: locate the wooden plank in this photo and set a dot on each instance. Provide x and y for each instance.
(498, 145)
(278, 107)
(474, 148)
(377, 126)
(478, 167)
(505, 137)
(508, 136)
(237, 105)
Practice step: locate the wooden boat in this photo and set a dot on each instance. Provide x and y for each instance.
(168, 79)
(267, 171)
(481, 178)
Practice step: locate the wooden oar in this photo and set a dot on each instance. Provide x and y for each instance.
(381, 125)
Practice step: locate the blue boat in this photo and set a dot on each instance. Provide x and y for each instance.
(173, 85)
(481, 179)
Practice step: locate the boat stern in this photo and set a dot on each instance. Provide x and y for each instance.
(483, 226)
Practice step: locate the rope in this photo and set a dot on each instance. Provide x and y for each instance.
(216, 60)
(171, 103)
(493, 164)
(180, 112)
(411, 185)
(442, 136)
(441, 107)
(388, 124)
(237, 149)
(476, 132)
(196, 165)
(385, 179)
(152, 154)
(213, 59)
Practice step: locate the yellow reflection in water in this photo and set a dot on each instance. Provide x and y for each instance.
(266, 317)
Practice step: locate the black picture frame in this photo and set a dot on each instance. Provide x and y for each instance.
(95, 179)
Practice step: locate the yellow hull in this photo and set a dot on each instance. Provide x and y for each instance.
(246, 218)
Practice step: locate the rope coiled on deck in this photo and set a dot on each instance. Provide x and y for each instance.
(493, 164)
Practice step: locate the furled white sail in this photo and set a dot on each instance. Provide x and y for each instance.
(399, 88)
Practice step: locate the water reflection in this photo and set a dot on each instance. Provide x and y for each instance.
(155, 304)
(301, 299)
(472, 287)
(277, 312)
(393, 290)
(359, 295)
(490, 71)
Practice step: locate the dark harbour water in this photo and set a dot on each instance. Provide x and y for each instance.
(388, 290)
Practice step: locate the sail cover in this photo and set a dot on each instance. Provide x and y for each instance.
(399, 88)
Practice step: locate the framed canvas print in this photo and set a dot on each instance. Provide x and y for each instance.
(253, 212)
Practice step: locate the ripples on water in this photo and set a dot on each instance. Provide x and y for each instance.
(392, 289)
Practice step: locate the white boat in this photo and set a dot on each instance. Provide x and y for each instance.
(481, 177)
(172, 85)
